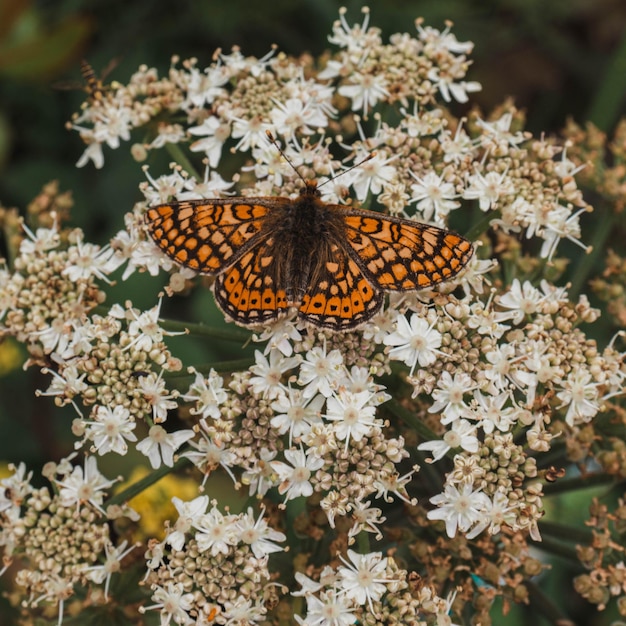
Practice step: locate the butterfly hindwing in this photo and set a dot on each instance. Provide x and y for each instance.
(339, 295)
(250, 290)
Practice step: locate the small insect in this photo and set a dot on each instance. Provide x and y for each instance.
(91, 84)
(332, 262)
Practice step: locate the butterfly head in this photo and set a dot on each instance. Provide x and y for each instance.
(310, 189)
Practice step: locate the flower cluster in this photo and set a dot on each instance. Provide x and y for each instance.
(424, 430)
(212, 564)
(60, 540)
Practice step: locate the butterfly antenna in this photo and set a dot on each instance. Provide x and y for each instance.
(276, 145)
(370, 156)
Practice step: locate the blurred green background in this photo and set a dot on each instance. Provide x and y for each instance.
(555, 58)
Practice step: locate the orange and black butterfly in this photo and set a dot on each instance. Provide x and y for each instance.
(332, 262)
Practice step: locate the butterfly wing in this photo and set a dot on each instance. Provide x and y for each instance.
(208, 235)
(402, 255)
(252, 290)
(338, 295)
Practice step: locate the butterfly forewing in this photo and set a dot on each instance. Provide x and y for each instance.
(402, 255)
(206, 235)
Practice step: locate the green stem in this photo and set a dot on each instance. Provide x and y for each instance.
(565, 533)
(609, 94)
(144, 483)
(542, 604)
(181, 158)
(587, 262)
(199, 329)
(227, 334)
(235, 365)
(482, 225)
(410, 419)
(575, 484)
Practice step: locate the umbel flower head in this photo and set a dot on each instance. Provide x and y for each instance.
(422, 433)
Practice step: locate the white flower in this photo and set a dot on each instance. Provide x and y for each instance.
(14, 489)
(259, 474)
(212, 185)
(86, 260)
(561, 223)
(66, 384)
(210, 454)
(320, 372)
(281, 335)
(173, 603)
(434, 196)
(414, 342)
(188, 514)
(492, 413)
(363, 580)
(353, 414)
(215, 133)
(436, 41)
(250, 132)
(243, 611)
(459, 509)
(110, 430)
(449, 396)
(295, 477)
(295, 413)
(456, 149)
(294, 115)
(366, 518)
(258, 535)
(161, 189)
(268, 373)
(217, 533)
(154, 392)
(372, 175)
(203, 87)
(159, 444)
(93, 152)
(330, 609)
(208, 393)
(498, 131)
(521, 300)
(167, 133)
(111, 565)
(461, 435)
(580, 395)
(488, 189)
(84, 486)
(355, 39)
(365, 90)
(497, 511)
(145, 331)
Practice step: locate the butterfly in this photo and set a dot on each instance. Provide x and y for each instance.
(332, 262)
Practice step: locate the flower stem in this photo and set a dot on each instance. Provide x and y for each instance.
(147, 481)
(580, 482)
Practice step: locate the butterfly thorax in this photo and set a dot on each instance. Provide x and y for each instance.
(304, 238)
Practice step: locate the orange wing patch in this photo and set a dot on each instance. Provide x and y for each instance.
(248, 290)
(340, 296)
(400, 255)
(205, 236)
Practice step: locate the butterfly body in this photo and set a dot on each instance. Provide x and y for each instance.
(331, 261)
